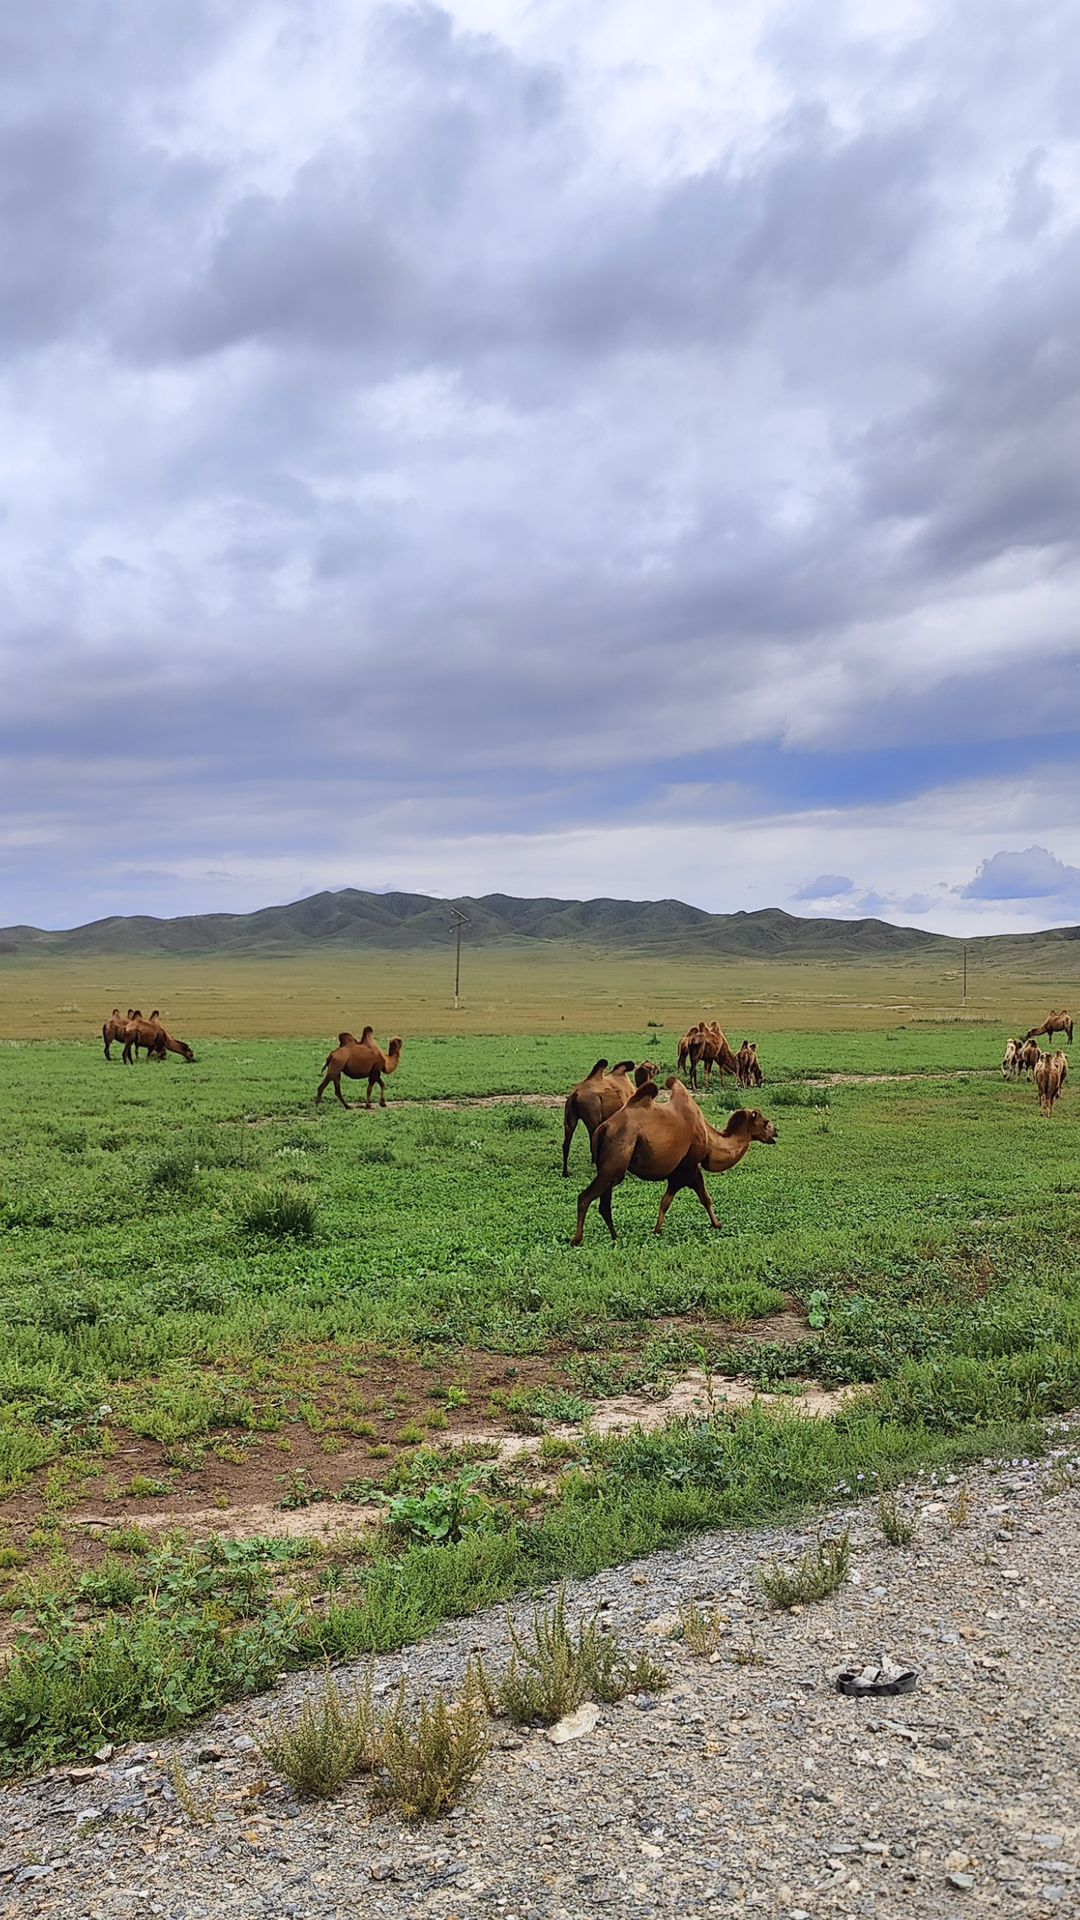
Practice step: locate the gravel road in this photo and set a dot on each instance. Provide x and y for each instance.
(747, 1788)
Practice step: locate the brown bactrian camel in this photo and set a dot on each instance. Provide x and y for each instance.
(115, 1029)
(1054, 1023)
(1010, 1064)
(710, 1049)
(602, 1092)
(748, 1066)
(1028, 1055)
(157, 1040)
(361, 1059)
(673, 1142)
(687, 1042)
(1050, 1077)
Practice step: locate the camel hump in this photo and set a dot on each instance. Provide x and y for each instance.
(600, 1067)
(368, 1034)
(346, 1040)
(644, 1096)
(623, 1066)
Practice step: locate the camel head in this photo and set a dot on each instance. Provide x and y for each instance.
(757, 1126)
(394, 1048)
(647, 1070)
(186, 1052)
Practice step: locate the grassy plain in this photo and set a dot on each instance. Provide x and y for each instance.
(530, 989)
(216, 1299)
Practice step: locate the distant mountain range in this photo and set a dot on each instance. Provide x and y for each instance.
(404, 922)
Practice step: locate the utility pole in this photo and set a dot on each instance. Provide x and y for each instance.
(459, 920)
(964, 1002)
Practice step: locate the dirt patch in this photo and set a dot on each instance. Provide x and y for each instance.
(321, 1522)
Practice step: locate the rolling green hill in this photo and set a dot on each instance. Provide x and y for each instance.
(412, 922)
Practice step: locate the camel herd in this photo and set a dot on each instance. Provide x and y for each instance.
(131, 1032)
(704, 1045)
(1025, 1059)
(630, 1129)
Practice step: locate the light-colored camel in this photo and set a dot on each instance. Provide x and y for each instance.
(602, 1092)
(361, 1059)
(1010, 1064)
(748, 1066)
(157, 1040)
(1054, 1023)
(672, 1142)
(1050, 1077)
(710, 1049)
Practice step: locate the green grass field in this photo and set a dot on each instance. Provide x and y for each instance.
(216, 1297)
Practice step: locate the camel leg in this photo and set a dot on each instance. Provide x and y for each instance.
(598, 1189)
(569, 1130)
(108, 1055)
(697, 1185)
(381, 1084)
(670, 1191)
(330, 1080)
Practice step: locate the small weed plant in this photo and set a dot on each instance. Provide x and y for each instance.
(553, 1669)
(822, 1569)
(898, 1529)
(336, 1737)
(442, 1513)
(702, 1631)
(425, 1763)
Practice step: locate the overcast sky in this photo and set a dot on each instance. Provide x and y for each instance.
(554, 446)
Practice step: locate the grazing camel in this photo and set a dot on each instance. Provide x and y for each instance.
(154, 1037)
(1010, 1064)
(602, 1092)
(1028, 1055)
(1054, 1023)
(673, 1143)
(749, 1073)
(361, 1059)
(711, 1049)
(1050, 1077)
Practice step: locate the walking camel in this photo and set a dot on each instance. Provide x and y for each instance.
(1050, 1077)
(361, 1059)
(674, 1143)
(602, 1092)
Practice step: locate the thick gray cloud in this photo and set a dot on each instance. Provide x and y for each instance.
(412, 430)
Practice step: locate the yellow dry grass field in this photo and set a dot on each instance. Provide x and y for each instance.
(524, 991)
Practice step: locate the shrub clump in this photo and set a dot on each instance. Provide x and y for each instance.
(281, 1213)
(554, 1670)
(336, 1737)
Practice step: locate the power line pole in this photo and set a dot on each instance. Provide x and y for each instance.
(965, 974)
(459, 920)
